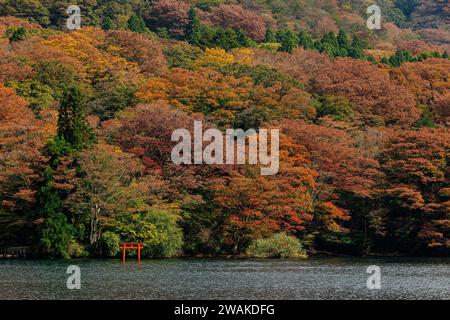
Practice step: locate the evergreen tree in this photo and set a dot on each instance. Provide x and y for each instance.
(270, 36)
(74, 134)
(55, 235)
(400, 57)
(137, 24)
(407, 6)
(16, 33)
(288, 40)
(435, 54)
(226, 39)
(343, 40)
(47, 201)
(426, 119)
(357, 48)
(55, 232)
(329, 44)
(243, 40)
(194, 28)
(371, 59)
(344, 44)
(305, 40)
(107, 24)
(72, 125)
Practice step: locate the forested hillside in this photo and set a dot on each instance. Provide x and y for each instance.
(86, 118)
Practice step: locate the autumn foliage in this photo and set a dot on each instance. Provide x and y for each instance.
(87, 117)
(20, 161)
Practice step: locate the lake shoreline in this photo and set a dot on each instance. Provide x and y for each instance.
(234, 257)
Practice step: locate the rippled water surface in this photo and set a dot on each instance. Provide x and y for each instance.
(318, 278)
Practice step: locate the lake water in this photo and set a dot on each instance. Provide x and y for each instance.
(316, 278)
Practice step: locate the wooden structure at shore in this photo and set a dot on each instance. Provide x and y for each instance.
(132, 246)
(15, 252)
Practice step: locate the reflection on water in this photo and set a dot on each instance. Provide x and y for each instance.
(321, 278)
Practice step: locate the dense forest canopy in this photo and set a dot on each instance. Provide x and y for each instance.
(87, 116)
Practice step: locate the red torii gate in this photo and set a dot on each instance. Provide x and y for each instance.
(132, 246)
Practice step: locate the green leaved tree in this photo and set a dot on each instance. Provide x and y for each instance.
(72, 124)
